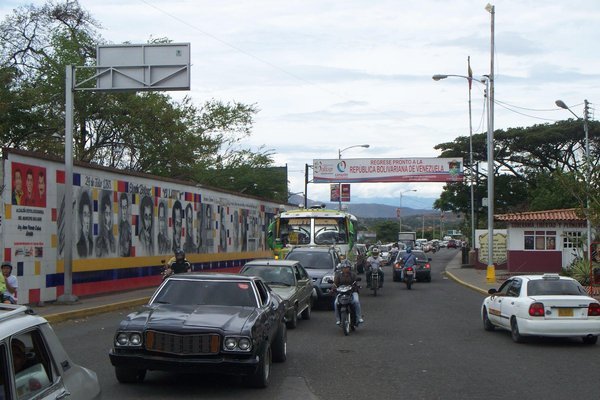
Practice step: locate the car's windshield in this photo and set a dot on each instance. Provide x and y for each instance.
(273, 275)
(545, 287)
(217, 293)
(311, 260)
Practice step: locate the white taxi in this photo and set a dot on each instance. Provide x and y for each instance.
(542, 305)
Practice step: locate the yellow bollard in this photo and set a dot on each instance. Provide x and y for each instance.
(491, 274)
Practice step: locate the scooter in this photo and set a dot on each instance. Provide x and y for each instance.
(348, 320)
(408, 276)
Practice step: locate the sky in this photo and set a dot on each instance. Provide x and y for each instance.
(328, 75)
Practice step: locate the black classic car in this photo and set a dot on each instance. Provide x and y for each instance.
(197, 323)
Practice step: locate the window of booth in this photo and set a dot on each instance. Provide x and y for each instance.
(539, 240)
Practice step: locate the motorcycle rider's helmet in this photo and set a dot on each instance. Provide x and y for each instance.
(375, 251)
(409, 249)
(179, 255)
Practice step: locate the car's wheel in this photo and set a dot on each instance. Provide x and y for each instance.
(514, 331)
(130, 375)
(280, 345)
(395, 277)
(487, 325)
(428, 279)
(293, 322)
(261, 377)
(590, 339)
(307, 311)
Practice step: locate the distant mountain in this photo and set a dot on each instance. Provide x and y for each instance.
(366, 210)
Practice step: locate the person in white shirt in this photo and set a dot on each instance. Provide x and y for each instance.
(12, 284)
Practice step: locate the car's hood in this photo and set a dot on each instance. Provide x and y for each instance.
(284, 291)
(183, 318)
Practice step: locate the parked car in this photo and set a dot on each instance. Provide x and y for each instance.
(196, 323)
(34, 363)
(423, 267)
(542, 305)
(320, 263)
(452, 244)
(289, 280)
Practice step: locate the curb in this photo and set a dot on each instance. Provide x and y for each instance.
(87, 312)
(454, 278)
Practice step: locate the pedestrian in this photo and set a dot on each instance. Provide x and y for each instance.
(12, 284)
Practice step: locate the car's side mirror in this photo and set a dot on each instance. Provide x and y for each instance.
(492, 291)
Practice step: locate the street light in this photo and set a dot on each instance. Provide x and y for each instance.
(490, 153)
(562, 104)
(366, 146)
(400, 209)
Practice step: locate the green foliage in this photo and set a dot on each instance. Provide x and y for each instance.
(144, 132)
(579, 270)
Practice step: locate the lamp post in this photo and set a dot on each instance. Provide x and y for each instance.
(400, 209)
(366, 146)
(562, 104)
(490, 153)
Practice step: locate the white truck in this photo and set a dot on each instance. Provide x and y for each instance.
(408, 238)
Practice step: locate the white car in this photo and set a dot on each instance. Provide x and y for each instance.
(33, 362)
(542, 305)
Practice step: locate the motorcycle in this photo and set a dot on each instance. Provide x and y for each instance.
(166, 270)
(374, 282)
(348, 320)
(408, 276)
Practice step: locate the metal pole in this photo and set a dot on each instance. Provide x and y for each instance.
(400, 213)
(471, 163)
(67, 295)
(587, 187)
(491, 273)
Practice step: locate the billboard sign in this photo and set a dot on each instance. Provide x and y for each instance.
(388, 170)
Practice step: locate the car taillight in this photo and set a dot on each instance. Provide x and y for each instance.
(536, 310)
(409, 269)
(427, 266)
(593, 310)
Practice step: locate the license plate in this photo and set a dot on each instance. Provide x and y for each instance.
(565, 312)
(409, 272)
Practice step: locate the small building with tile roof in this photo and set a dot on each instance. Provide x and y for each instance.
(542, 241)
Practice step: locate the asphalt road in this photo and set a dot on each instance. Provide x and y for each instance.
(426, 343)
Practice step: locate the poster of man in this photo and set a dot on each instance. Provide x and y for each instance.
(164, 243)
(146, 233)
(177, 217)
(105, 242)
(85, 244)
(124, 226)
(28, 185)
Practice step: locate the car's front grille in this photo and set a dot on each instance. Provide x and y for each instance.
(183, 344)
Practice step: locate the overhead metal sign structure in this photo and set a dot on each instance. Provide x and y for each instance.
(388, 170)
(126, 67)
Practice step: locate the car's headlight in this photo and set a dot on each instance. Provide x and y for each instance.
(237, 343)
(128, 339)
(327, 279)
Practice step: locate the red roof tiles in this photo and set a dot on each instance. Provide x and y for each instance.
(569, 214)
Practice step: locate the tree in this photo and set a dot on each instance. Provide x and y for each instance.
(539, 167)
(144, 132)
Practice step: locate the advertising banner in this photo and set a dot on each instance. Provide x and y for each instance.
(388, 170)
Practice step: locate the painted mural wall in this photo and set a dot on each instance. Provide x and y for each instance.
(124, 227)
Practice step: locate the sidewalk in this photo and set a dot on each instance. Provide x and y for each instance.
(91, 305)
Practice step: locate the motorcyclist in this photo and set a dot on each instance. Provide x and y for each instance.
(408, 260)
(375, 258)
(345, 276)
(178, 264)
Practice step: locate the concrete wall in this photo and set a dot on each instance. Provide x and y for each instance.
(118, 213)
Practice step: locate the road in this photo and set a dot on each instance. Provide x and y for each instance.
(426, 343)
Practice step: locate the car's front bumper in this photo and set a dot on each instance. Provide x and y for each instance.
(229, 365)
(559, 328)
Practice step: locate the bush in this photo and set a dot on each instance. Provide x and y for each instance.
(579, 270)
